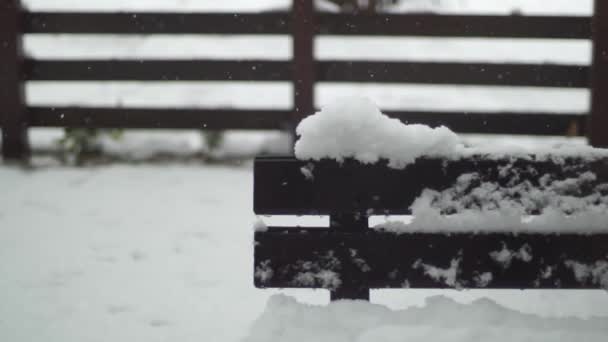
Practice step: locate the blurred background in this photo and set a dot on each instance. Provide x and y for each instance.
(277, 95)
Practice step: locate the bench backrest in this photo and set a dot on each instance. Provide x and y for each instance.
(349, 259)
(303, 71)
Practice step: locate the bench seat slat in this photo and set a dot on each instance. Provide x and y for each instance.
(287, 186)
(308, 257)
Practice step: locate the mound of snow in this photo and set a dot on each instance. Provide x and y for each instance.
(355, 128)
(441, 319)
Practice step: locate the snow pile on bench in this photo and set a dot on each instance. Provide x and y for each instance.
(441, 319)
(355, 128)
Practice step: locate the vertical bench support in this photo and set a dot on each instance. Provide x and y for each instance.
(13, 113)
(303, 33)
(598, 123)
(349, 222)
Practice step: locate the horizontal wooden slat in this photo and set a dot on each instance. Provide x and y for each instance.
(156, 23)
(281, 187)
(157, 118)
(329, 23)
(463, 122)
(303, 258)
(542, 75)
(328, 71)
(432, 25)
(533, 123)
(157, 70)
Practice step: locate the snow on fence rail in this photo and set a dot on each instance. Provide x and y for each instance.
(303, 71)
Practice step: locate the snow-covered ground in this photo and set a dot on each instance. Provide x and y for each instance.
(160, 253)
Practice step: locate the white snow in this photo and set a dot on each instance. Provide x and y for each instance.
(161, 253)
(447, 275)
(259, 225)
(505, 256)
(597, 272)
(307, 171)
(484, 279)
(552, 206)
(441, 319)
(264, 272)
(355, 128)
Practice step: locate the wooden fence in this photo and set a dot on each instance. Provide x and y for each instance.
(303, 24)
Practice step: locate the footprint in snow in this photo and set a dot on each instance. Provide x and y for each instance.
(106, 259)
(157, 323)
(62, 278)
(117, 309)
(138, 255)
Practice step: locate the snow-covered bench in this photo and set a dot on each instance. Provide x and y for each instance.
(468, 249)
(481, 217)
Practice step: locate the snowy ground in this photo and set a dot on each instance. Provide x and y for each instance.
(158, 253)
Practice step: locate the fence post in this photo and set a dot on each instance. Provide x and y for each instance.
(12, 105)
(303, 34)
(598, 123)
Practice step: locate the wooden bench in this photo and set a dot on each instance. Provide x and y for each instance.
(348, 258)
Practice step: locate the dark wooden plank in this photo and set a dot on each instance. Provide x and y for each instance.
(432, 25)
(571, 76)
(157, 70)
(157, 118)
(463, 122)
(598, 123)
(156, 23)
(498, 122)
(13, 117)
(282, 187)
(540, 75)
(304, 21)
(329, 23)
(300, 258)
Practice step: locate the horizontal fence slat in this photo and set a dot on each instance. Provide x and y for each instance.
(433, 25)
(287, 186)
(289, 258)
(157, 70)
(430, 25)
(157, 118)
(540, 75)
(573, 76)
(156, 23)
(463, 122)
(533, 123)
